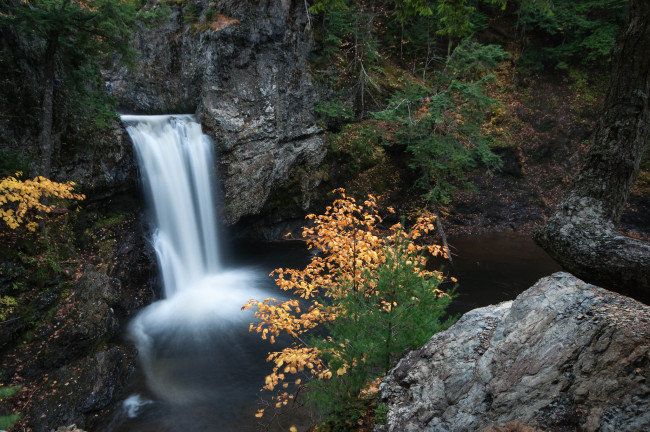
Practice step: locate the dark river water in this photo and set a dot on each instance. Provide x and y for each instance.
(215, 386)
(495, 267)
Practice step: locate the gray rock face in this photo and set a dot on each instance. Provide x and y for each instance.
(241, 67)
(565, 355)
(103, 163)
(81, 388)
(80, 324)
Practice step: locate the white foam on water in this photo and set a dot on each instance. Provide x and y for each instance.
(133, 403)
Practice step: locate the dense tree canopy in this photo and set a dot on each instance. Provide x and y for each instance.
(434, 106)
(71, 39)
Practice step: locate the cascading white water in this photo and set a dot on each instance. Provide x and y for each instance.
(194, 343)
(176, 161)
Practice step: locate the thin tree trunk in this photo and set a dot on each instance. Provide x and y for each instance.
(443, 236)
(581, 235)
(47, 113)
(439, 227)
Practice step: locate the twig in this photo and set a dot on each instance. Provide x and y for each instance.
(308, 16)
(9, 320)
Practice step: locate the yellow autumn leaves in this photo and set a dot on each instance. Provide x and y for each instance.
(21, 200)
(349, 253)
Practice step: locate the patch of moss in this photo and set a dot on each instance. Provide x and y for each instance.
(108, 221)
(28, 337)
(7, 306)
(7, 392)
(7, 421)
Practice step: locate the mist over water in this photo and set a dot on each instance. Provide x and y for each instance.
(194, 345)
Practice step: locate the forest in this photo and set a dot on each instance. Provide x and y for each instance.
(159, 158)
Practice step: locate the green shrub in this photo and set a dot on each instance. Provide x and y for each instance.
(570, 32)
(7, 421)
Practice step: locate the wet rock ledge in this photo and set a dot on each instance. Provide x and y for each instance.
(564, 355)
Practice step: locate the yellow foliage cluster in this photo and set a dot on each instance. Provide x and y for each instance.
(348, 253)
(21, 200)
(7, 306)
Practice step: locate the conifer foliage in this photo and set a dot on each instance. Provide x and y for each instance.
(442, 126)
(72, 40)
(373, 296)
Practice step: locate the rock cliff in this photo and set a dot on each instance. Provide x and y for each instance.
(565, 355)
(63, 344)
(241, 67)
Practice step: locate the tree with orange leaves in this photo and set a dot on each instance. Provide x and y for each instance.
(374, 297)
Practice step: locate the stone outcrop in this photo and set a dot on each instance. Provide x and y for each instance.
(65, 350)
(79, 391)
(103, 164)
(565, 355)
(241, 67)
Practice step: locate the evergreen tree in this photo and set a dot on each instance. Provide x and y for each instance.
(571, 31)
(73, 38)
(440, 126)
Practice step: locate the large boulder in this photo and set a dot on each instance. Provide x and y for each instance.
(565, 355)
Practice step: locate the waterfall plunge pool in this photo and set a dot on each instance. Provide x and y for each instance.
(212, 381)
(199, 367)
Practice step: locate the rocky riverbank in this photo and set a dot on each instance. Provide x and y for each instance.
(62, 348)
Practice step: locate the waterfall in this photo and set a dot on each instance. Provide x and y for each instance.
(176, 162)
(194, 343)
